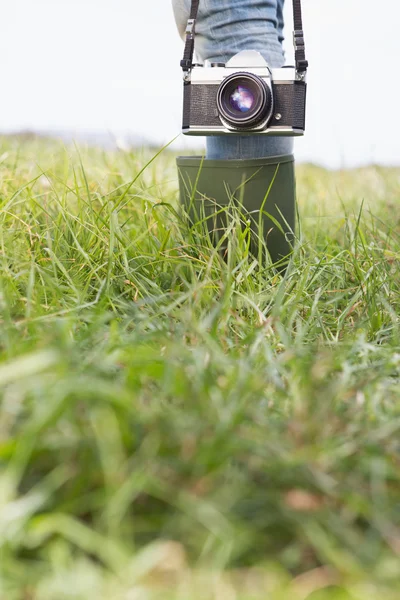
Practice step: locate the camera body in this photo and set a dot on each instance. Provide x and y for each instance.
(243, 97)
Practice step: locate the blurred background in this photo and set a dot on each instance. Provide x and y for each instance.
(107, 72)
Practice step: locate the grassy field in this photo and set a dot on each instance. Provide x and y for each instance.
(179, 427)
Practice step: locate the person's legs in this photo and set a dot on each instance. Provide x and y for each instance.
(254, 171)
(280, 20)
(247, 146)
(224, 28)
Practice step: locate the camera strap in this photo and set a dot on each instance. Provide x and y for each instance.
(298, 38)
(187, 61)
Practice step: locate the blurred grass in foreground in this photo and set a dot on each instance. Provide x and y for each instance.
(180, 427)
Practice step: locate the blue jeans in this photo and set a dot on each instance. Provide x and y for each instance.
(224, 28)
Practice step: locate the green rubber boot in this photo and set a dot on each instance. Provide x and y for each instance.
(263, 189)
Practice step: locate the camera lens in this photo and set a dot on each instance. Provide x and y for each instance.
(244, 101)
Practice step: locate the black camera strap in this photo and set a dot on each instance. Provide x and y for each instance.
(298, 38)
(187, 61)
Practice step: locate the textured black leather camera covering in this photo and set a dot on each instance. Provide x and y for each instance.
(290, 102)
(200, 105)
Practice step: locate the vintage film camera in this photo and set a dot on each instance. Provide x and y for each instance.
(244, 96)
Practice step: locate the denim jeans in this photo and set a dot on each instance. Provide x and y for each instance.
(224, 28)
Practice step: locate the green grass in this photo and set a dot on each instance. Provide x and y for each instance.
(175, 426)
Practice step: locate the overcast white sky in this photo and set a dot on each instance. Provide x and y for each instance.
(113, 65)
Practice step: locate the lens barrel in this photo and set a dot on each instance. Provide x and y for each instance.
(244, 101)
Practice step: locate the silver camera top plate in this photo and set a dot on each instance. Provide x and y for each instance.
(250, 61)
